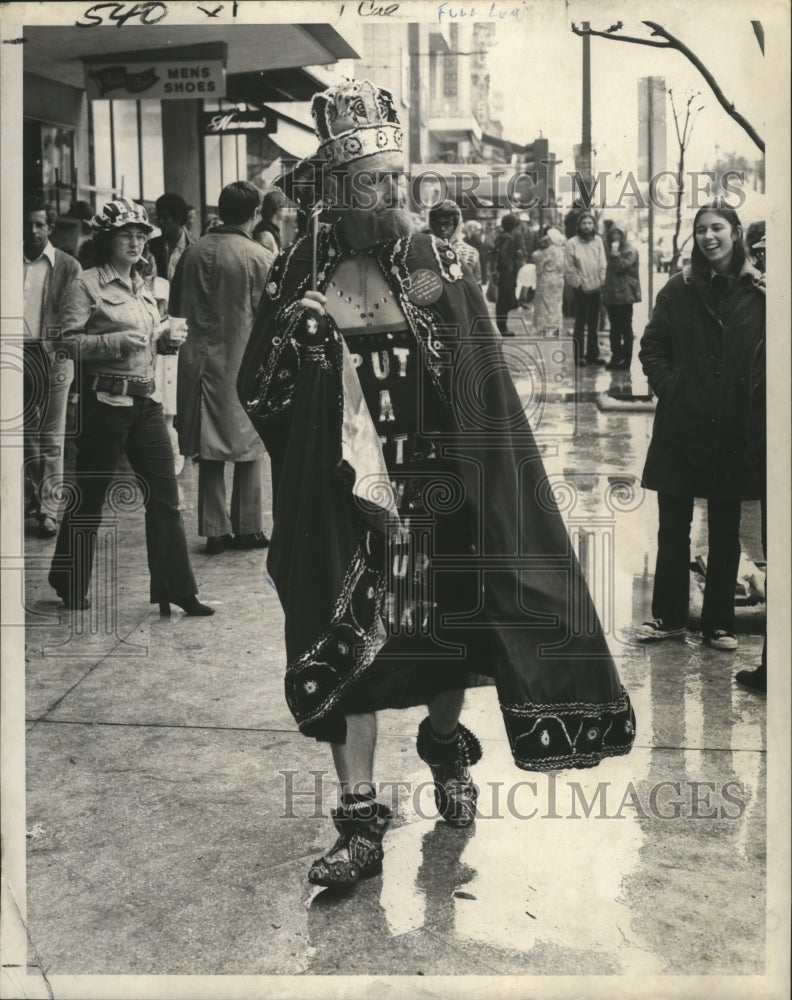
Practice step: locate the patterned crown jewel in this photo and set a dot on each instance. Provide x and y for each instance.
(353, 120)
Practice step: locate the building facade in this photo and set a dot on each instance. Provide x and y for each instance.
(109, 113)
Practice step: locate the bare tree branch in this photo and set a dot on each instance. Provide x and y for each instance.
(683, 138)
(619, 38)
(728, 106)
(672, 42)
(759, 32)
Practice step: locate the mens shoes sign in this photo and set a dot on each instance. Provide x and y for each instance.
(157, 75)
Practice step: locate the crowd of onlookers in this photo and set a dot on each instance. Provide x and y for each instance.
(588, 275)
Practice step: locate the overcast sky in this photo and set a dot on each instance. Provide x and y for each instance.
(537, 71)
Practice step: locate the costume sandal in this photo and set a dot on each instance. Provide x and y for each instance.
(449, 759)
(358, 851)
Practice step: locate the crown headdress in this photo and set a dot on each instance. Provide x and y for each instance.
(353, 120)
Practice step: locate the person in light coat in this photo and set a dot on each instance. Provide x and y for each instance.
(585, 271)
(549, 262)
(217, 286)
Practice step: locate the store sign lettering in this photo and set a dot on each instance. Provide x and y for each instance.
(237, 122)
(117, 78)
(177, 80)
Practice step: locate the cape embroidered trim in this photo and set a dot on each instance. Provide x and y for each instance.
(447, 260)
(316, 680)
(572, 734)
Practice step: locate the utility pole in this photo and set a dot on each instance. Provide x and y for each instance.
(651, 150)
(585, 143)
(651, 169)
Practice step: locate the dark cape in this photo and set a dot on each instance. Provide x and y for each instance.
(562, 702)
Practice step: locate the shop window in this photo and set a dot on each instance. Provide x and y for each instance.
(152, 155)
(102, 151)
(48, 162)
(127, 149)
(225, 157)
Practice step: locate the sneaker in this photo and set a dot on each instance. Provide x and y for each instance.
(657, 629)
(721, 639)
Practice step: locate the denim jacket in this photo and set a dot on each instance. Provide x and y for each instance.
(99, 307)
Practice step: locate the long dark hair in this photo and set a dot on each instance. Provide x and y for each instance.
(698, 262)
(272, 202)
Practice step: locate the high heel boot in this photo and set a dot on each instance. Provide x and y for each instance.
(189, 605)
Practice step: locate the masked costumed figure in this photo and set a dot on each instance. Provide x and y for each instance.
(417, 546)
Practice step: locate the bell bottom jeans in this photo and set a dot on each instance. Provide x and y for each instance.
(672, 572)
(106, 432)
(587, 311)
(621, 333)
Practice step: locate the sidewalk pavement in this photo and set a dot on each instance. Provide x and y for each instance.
(173, 810)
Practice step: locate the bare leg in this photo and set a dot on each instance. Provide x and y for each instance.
(360, 820)
(354, 760)
(444, 711)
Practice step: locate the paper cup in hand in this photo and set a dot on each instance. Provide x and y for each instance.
(178, 330)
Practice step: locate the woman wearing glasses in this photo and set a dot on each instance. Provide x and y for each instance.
(111, 318)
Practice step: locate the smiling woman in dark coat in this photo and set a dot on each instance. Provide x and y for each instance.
(703, 353)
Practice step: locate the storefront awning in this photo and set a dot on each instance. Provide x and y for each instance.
(266, 85)
(57, 53)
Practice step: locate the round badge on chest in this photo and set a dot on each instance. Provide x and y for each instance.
(426, 287)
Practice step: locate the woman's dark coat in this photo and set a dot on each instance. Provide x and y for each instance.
(704, 359)
(622, 283)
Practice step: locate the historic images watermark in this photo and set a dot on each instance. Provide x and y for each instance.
(541, 797)
(522, 188)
